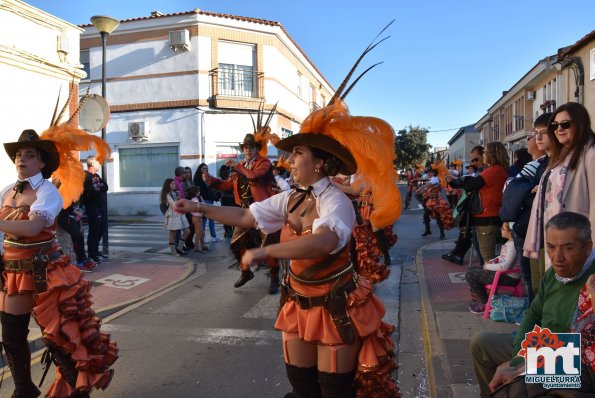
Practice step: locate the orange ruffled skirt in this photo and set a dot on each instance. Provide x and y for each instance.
(376, 356)
(66, 319)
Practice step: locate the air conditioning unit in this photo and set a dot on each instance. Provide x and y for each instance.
(179, 39)
(138, 131)
(531, 95)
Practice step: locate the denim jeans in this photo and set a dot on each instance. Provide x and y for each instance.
(211, 223)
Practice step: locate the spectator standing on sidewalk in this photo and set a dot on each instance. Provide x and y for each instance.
(174, 222)
(187, 183)
(226, 198)
(569, 183)
(467, 236)
(69, 220)
(193, 193)
(495, 356)
(94, 189)
(518, 196)
(488, 185)
(209, 196)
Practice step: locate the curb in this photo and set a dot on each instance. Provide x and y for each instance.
(36, 344)
(438, 371)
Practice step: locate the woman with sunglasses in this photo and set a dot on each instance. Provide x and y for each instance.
(569, 182)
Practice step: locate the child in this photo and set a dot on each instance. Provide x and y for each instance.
(174, 221)
(478, 277)
(199, 234)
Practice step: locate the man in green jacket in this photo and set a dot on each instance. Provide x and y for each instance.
(495, 359)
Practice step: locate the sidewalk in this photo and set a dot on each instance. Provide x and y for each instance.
(126, 279)
(447, 324)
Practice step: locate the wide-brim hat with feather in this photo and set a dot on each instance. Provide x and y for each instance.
(363, 144)
(30, 139)
(250, 140)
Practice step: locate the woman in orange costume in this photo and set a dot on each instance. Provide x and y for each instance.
(367, 244)
(37, 277)
(334, 341)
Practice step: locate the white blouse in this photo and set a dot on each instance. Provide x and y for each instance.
(334, 209)
(48, 202)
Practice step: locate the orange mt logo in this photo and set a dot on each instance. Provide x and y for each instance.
(552, 359)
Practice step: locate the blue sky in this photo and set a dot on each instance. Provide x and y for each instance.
(446, 63)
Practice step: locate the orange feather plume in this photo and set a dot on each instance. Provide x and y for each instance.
(370, 141)
(441, 171)
(458, 163)
(264, 137)
(69, 140)
(282, 163)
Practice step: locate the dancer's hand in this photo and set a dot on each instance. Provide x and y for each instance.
(254, 256)
(186, 206)
(231, 163)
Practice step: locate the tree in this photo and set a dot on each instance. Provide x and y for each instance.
(411, 147)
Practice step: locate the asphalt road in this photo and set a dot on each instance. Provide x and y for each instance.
(206, 339)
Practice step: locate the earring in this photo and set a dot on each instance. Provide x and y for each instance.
(317, 171)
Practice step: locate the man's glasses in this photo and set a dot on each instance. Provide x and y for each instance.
(531, 136)
(564, 124)
(474, 160)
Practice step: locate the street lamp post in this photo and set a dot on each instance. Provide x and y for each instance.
(105, 26)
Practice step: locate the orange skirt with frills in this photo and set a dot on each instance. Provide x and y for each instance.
(376, 357)
(66, 319)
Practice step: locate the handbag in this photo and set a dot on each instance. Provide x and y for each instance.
(475, 206)
(507, 308)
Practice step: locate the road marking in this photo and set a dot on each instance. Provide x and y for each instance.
(266, 308)
(457, 277)
(235, 336)
(121, 281)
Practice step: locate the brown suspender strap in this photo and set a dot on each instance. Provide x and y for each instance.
(309, 272)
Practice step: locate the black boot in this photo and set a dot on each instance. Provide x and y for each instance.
(336, 385)
(428, 232)
(304, 382)
(66, 367)
(274, 282)
(15, 329)
(244, 278)
(383, 245)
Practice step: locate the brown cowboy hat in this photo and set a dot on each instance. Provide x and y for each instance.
(250, 140)
(30, 138)
(325, 143)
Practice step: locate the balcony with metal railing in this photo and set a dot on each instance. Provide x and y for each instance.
(236, 87)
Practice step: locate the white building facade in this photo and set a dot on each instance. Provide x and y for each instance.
(182, 90)
(39, 58)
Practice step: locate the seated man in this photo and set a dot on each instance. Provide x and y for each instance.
(495, 359)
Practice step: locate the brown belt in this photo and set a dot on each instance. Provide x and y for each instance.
(23, 265)
(307, 302)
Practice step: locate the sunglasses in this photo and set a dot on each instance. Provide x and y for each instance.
(564, 124)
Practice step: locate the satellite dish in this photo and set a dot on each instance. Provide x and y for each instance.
(95, 113)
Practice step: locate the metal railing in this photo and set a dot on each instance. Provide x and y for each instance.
(238, 81)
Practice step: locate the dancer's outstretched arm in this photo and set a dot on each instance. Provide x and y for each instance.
(227, 215)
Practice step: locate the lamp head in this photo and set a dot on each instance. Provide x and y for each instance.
(104, 24)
